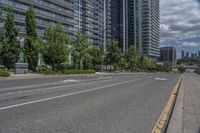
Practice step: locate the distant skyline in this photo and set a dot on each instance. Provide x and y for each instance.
(180, 24)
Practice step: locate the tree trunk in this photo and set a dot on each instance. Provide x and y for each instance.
(81, 64)
(53, 66)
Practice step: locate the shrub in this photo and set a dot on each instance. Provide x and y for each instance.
(165, 68)
(78, 72)
(4, 73)
(48, 72)
(198, 71)
(44, 70)
(181, 69)
(41, 68)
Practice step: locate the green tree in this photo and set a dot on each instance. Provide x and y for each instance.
(1, 25)
(164, 68)
(11, 46)
(96, 54)
(123, 64)
(147, 64)
(81, 53)
(181, 69)
(55, 46)
(113, 54)
(1, 32)
(132, 58)
(30, 43)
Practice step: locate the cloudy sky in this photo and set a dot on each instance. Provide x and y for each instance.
(180, 24)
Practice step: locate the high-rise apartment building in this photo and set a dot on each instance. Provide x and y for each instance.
(86, 16)
(192, 55)
(187, 55)
(168, 55)
(119, 22)
(108, 21)
(182, 54)
(136, 22)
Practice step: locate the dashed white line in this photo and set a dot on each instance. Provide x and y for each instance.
(10, 93)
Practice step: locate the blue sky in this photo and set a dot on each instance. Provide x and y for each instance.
(180, 24)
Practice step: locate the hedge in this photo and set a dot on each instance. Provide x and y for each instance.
(44, 70)
(78, 72)
(48, 71)
(4, 73)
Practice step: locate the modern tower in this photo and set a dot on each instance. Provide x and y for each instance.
(86, 16)
(183, 54)
(168, 55)
(144, 26)
(137, 23)
(108, 21)
(187, 55)
(119, 22)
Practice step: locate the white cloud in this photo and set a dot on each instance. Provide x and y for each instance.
(191, 44)
(180, 19)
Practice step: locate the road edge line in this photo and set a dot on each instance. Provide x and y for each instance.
(163, 121)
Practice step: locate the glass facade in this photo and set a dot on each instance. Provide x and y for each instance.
(168, 55)
(119, 22)
(137, 22)
(144, 26)
(86, 16)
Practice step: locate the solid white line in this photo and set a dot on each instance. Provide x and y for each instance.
(29, 86)
(56, 87)
(10, 93)
(44, 84)
(65, 95)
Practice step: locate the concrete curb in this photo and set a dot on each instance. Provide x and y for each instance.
(176, 121)
(163, 121)
(38, 76)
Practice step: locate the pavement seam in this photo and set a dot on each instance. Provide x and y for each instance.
(163, 120)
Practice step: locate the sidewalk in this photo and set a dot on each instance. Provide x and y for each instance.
(186, 114)
(38, 76)
(22, 76)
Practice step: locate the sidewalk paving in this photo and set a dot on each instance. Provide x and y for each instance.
(25, 76)
(186, 114)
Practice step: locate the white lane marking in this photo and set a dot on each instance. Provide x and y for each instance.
(162, 79)
(69, 80)
(56, 87)
(29, 86)
(65, 95)
(39, 85)
(104, 77)
(10, 93)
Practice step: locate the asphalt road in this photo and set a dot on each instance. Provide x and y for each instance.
(114, 103)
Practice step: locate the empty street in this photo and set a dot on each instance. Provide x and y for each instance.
(101, 103)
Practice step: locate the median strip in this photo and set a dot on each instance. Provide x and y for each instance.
(164, 118)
